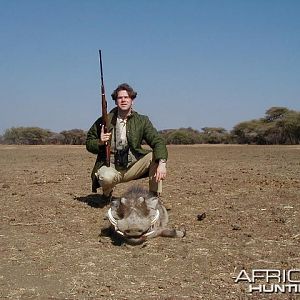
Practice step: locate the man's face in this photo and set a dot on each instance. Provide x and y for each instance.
(124, 102)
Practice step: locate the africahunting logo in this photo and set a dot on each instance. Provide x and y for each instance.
(270, 280)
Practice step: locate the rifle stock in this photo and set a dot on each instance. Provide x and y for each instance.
(104, 113)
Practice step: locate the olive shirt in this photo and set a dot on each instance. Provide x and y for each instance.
(138, 128)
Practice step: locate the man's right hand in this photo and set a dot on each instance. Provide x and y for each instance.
(104, 137)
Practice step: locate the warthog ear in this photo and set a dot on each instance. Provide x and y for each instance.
(122, 208)
(141, 199)
(152, 202)
(123, 201)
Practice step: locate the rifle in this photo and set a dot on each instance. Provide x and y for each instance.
(104, 114)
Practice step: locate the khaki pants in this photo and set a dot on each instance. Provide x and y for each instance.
(109, 177)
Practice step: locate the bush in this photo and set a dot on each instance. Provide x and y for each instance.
(279, 126)
(26, 135)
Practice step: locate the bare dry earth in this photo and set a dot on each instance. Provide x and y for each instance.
(50, 225)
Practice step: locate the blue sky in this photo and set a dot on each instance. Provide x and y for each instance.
(194, 63)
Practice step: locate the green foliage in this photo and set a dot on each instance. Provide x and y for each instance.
(39, 136)
(290, 127)
(248, 132)
(26, 135)
(279, 126)
(186, 136)
(74, 136)
(215, 135)
(275, 113)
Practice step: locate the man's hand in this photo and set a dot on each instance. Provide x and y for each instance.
(104, 137)
(161, 171)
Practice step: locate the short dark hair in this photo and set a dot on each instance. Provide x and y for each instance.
(124, 87)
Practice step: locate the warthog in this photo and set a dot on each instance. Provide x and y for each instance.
(138, 216)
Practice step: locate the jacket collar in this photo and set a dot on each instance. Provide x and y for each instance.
(112, 118)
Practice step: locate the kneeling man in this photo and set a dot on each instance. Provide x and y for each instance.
(129, 161)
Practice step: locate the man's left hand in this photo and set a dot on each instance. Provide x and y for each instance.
(161, 172)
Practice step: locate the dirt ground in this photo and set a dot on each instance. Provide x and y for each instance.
(240, 205)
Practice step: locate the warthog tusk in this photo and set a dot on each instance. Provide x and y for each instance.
(153, 222)
(156, 217)
(114, 222)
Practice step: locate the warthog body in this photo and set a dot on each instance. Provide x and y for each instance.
(138, 215)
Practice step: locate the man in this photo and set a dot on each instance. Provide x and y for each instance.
(126, 131)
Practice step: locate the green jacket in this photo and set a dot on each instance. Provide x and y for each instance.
(138, 128)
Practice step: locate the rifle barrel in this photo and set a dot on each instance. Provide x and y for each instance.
(101, 68)
(104, 110)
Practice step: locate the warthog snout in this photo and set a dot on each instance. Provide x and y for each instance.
(133, 232)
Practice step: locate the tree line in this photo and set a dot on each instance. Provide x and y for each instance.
(40, 136)
(280, 125)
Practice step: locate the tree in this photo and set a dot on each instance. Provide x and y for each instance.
(275, 113)
(249, 132)
(26, 135)
(215, 135)
(185, 136)
(74, 136)
(291, 127)
(56, 139)
(279, 126)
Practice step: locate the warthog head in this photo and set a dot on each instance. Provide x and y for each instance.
(135, 215)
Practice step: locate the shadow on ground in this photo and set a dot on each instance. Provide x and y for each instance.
(94, 200)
